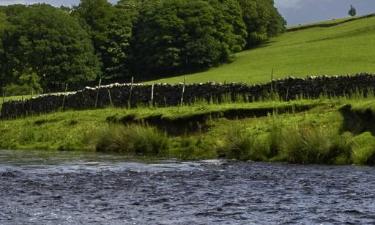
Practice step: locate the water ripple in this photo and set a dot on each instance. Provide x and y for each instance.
(92, 189)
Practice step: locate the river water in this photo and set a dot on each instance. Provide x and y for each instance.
(65, 188)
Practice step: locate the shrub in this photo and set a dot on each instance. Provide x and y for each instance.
(134, 140)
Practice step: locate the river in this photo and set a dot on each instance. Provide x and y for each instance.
(68, 188)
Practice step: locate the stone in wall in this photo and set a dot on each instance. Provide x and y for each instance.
(162, 95)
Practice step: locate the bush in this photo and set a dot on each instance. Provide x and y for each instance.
(134, 140)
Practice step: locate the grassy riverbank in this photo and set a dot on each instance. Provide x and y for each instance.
(303, 131)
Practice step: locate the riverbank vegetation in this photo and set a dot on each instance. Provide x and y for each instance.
(317, 133)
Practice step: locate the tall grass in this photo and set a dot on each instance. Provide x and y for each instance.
(243, 144)
(301, 143)
(193, 148)
(132, 140)
(364, 149)
(306, 144)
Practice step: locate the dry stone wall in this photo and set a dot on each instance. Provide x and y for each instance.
(128, 95)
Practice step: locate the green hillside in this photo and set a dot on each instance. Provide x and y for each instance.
(329, 48)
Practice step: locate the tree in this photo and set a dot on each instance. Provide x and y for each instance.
(352, 11)
(111, 30)
(262, 21)
(47, 41)
(179, 36)
(3, 25)
(230, 24)
(277, 23)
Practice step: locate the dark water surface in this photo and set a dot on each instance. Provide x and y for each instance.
(63, 188)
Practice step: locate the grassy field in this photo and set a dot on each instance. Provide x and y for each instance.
(345, 48)
(301, 131)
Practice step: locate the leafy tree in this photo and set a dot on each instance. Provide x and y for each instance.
(110, 29)
(28, 82)
(262, 20)
(48, 42)
(229, 23)
(277, 23)
(3, 24)
(178, 36)
(352, 11)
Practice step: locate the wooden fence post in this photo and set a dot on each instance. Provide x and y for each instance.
(66, 89)
(183, 92)
(130, 92)
(110, 97)
(97, 93)
(152, 95)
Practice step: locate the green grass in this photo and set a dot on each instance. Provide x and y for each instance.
(132, 140)
(72, 130)
(312, 136)
(346, 48)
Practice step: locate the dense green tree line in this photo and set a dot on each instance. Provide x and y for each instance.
(41, 45)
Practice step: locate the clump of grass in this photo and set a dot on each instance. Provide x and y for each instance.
(243, 144)
(133, 140)
(193, 148)
(273, 139)
(307, 144)
(363, 152)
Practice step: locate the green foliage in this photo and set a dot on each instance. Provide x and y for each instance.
(193, 148)
(364, 149)
(242, 144)
(330, 49)
(352, 11)
(309, 137)
(3, 25)
(306, 144)
(48, 42)
(146, 38)
(262, 21)
(110, 29)
(136, 140)
(28, 82)
(177, 36)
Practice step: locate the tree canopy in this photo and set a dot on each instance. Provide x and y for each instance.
(41, 44)
(352, 11)
(178, 36)
(110, 29)
(262, 21)
(48, 42)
